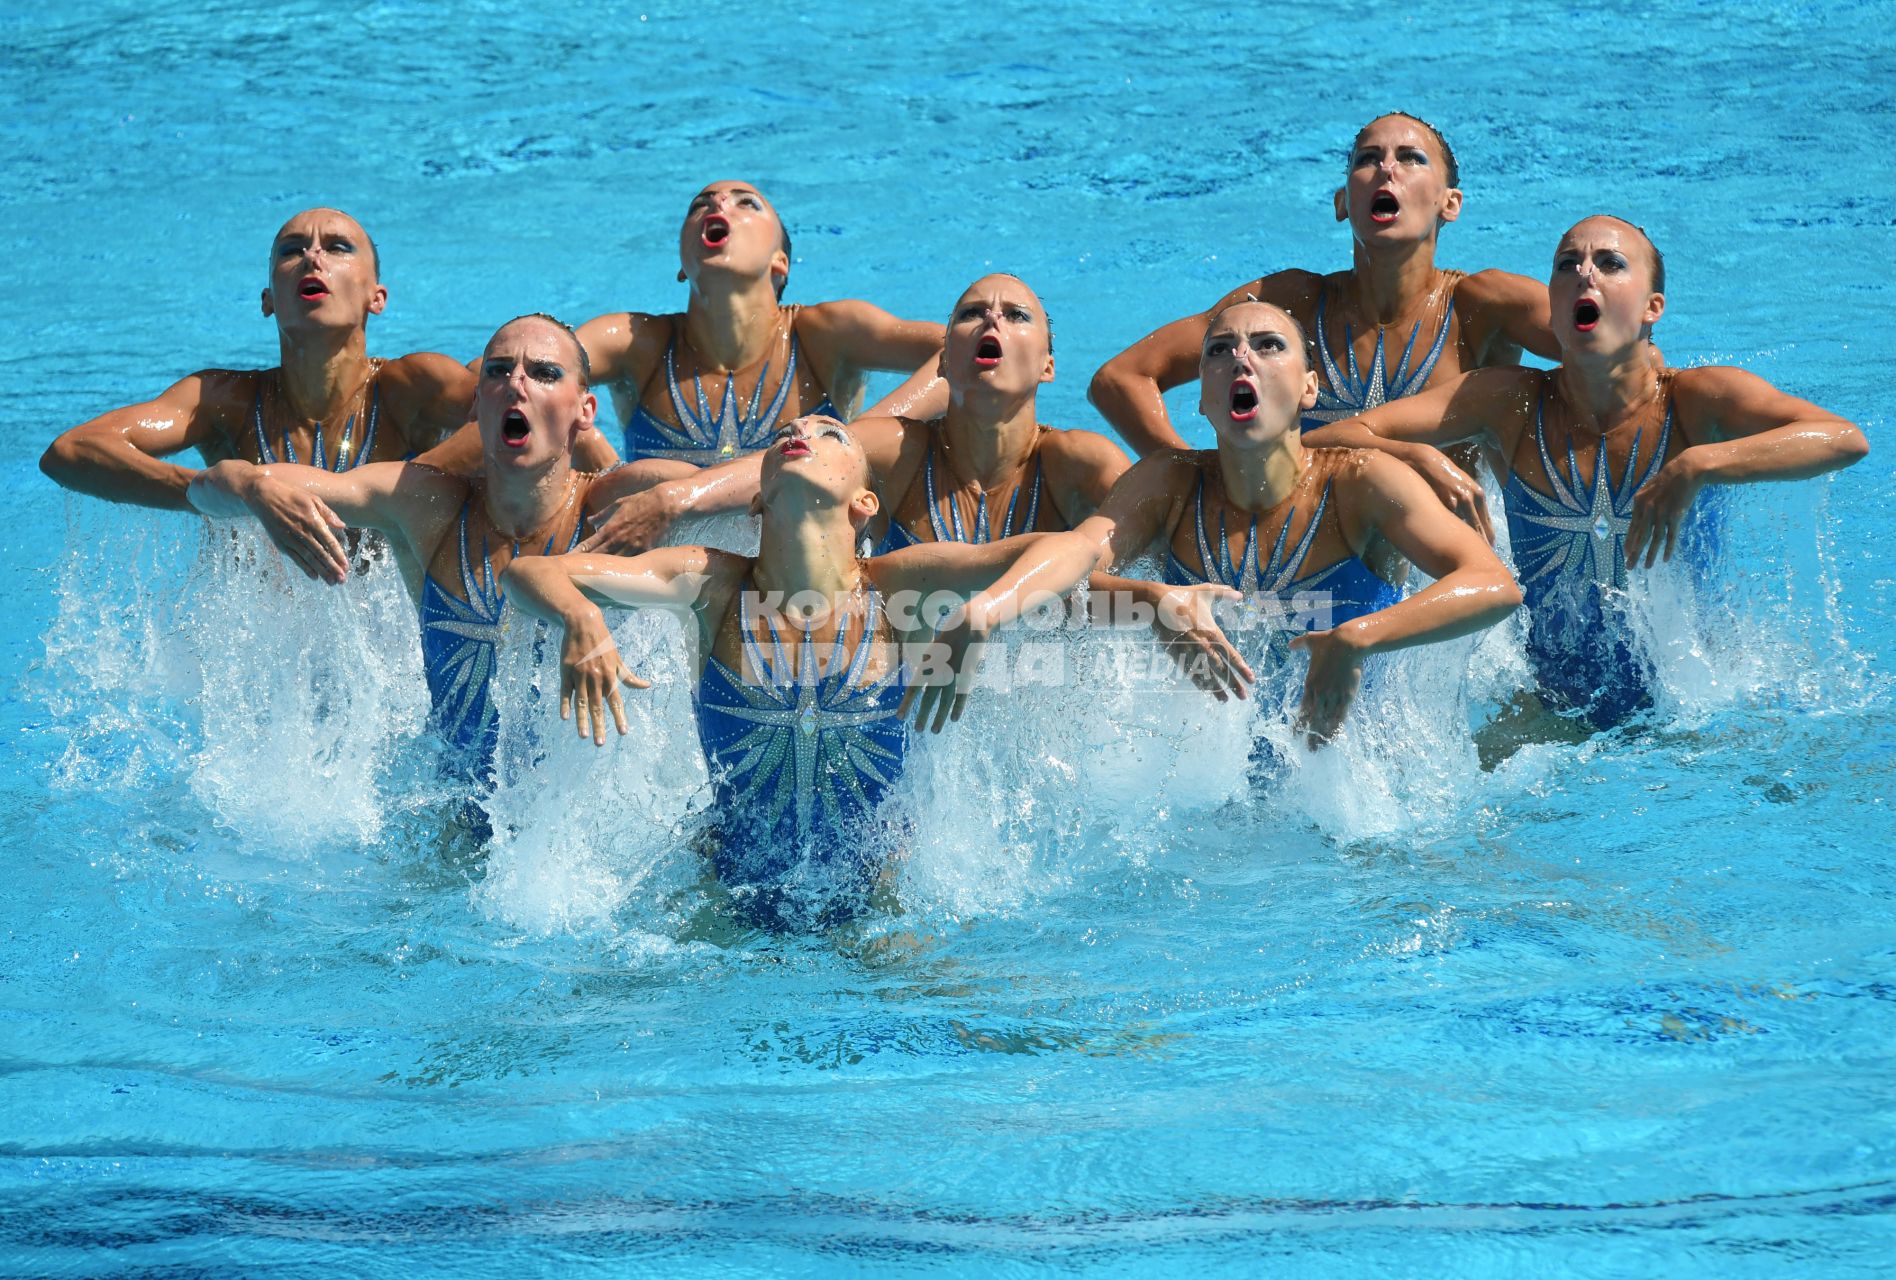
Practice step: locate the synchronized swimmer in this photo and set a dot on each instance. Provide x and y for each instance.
(1331, 398)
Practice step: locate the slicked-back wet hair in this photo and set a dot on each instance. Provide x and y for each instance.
(1449, 163)
(585, 361)
(1304, 343)
(1658, 258)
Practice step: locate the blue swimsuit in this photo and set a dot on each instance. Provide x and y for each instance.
(1277, 600)
(800, 759)
(1570, 552)
(1344, 395)
(266, 455)
(1315, 601)
(898, 536)
(458, 638)
(704, 438)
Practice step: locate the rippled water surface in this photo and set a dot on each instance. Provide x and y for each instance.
(1620, 1007)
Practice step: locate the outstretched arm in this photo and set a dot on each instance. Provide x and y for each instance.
(119, 456)
(303, 508)
(1472, 589)
(1486, 406)
(1753, 432)
(1003, 580)
(569, 589)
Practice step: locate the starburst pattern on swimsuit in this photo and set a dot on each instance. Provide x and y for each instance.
(268, 456)
(983, 533)
(458, 641)
(1346, 394)
(465, 633)
(1274, 596)
(807, 741)
(703, 437)
(1578, 532)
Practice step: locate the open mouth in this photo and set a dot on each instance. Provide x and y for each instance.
(1243, 402)
(1586, 314)
(514, 429)
(987, 352)
(1383, 207)
(715, 230)
(794, 448)
(312, 287)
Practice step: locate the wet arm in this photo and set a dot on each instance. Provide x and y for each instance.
(1750, 432)
(303, 508)
(922, 396)
(1081, 467)
(1512, 314)
(1129, 390)
(1465, 408)
(1757, 432)
(119, 456)
(1472, 588)
(574, 586)
(851, 335)
(569, 589)
(433, 395)
(1019, 573)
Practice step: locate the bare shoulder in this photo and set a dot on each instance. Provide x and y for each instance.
(1708, 384)
(1293, 289)
(220, 399)
(625, 346)
(422, 380)
(1360, 470)
(1169, 473)
(1494, 287)
(427, 371)
(1076, 451)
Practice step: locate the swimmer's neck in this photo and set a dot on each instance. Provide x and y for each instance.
(523, 503)
(320, 371)
(1257, 478)
(731, 322)
(988, 437)
(807, 548)
(1388, 285)
(1607, 387)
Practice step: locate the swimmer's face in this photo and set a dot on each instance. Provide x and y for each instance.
(1253, 379)
(1397, 188)
(819, 461)
(998, 338)
(322, 273)
(531, 401)
(1601, 290)
(730, 227)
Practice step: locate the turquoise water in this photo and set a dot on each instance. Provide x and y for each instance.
(1617, 1008)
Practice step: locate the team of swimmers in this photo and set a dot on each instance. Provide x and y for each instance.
(1335, 401)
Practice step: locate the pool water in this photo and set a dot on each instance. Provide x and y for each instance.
(1624, 1006)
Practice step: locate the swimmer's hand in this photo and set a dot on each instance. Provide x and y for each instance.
(590, 675)
(635, 523)
(942, 671)
(1336, 672)
(1456, 488)
(1662, 505)
(300, 524)
(1187, 628)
